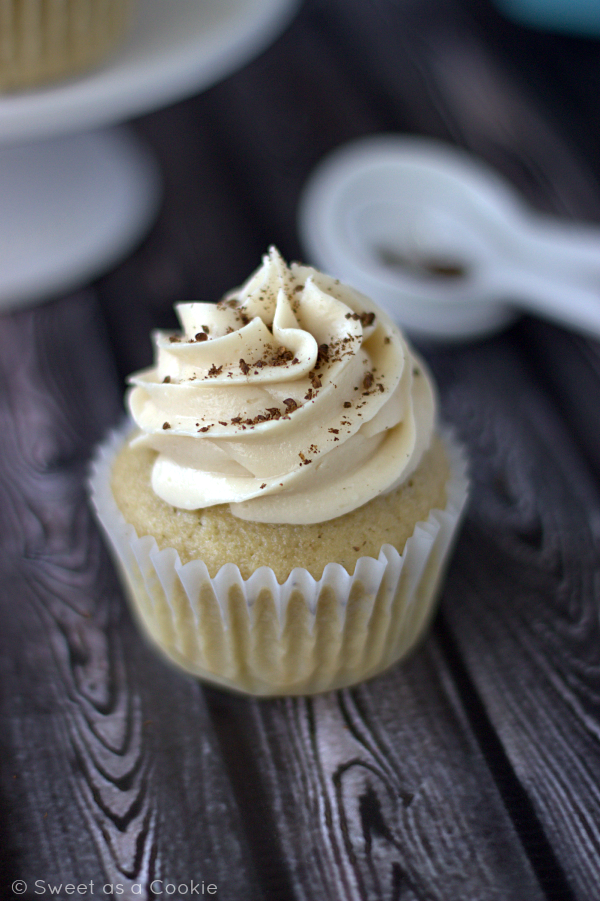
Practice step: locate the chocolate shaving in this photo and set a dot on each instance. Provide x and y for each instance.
(323, 353)
(365, 319)
(244, 366)
(284, 354)
(166, 425)
(201, 336)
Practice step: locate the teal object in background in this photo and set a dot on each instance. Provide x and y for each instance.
(580, 17)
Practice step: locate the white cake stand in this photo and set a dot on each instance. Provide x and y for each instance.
(76, 195)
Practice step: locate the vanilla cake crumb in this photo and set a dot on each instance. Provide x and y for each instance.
(214, 535)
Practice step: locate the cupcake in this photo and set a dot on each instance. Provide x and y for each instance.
(281, 503)
(46, 40)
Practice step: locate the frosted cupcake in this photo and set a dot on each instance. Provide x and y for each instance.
(283, 508)
(46, 40)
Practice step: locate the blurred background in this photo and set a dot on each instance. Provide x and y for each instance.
(236, 157)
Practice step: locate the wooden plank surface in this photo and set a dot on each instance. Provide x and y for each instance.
(387, 792)
(522, 610)
(111, 772)
(469, 772)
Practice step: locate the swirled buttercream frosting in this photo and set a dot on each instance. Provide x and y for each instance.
(294, 399)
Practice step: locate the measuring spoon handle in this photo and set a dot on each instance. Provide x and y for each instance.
(567, 245)
(566, 302)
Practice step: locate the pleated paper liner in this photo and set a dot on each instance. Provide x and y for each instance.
(301, 637)
(43, 41)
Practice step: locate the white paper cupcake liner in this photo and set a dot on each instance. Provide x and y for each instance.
(300, 637)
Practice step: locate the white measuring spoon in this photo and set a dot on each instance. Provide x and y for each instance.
(443, 243)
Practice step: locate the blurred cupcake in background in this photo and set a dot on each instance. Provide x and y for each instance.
(42, 41)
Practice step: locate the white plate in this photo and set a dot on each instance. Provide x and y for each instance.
(176, 48)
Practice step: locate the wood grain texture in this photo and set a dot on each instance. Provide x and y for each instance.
(574, 382)
(523, 606)
(101, 786)
(386, 793)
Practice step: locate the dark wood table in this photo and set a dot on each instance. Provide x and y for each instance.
(472, 771)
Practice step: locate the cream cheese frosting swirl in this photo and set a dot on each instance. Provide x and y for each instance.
(294, 399)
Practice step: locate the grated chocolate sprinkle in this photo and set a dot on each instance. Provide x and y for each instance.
(365, 319)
